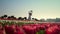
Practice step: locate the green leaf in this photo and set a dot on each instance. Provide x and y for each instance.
(41, 32)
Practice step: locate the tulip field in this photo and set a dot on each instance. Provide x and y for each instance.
(29, 28)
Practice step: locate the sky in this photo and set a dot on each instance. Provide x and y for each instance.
(41, 8)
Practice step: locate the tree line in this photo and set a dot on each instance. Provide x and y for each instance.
(6, 17)
(12, 17)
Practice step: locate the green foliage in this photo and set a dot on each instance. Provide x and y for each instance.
(41, 32)
(20, 23)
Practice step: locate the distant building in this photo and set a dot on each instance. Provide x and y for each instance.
(30, 14)
(42, 20)
(50, 20)
(57, 20)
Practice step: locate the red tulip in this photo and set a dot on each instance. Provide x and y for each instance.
(9, 29)
(2, 31)
(52, 30)
(19, 30)
(30, 29)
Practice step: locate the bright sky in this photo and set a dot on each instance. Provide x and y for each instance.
(41, 8)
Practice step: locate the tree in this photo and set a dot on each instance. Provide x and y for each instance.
(25, 18)
(19, 18)
(9, 17)
(15, 18)
(22, 18)
(2, 17)
(36, 19)
(12, 17)
(33, 18)
(5, 16)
